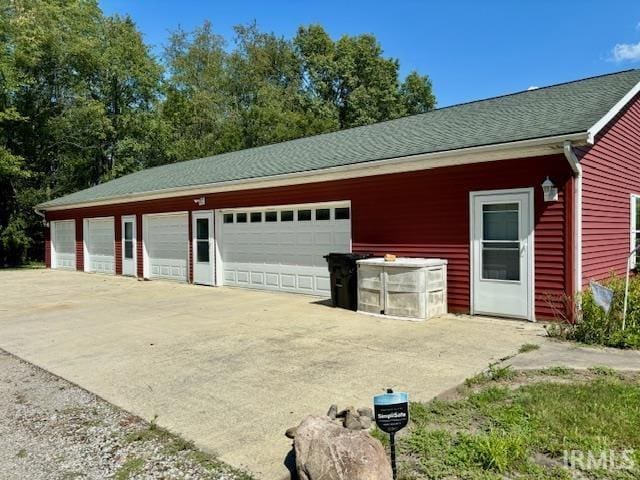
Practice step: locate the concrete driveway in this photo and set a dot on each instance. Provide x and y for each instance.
(232, 369)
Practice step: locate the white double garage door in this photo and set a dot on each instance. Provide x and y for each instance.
(275, 248)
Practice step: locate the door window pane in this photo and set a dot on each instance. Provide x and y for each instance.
(323, 214)
(202, 229)
(342, 213)
(256, 217)
(271, 217)
(304, 215)
(128, 230)
(500, 221)
(128, 249)
(286, 216)
(202, 247)
(501, 261)
(241, 217)
(228, 218)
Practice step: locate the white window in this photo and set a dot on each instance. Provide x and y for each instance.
(635, 229)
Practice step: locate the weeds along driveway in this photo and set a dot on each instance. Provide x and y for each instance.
(232, 369)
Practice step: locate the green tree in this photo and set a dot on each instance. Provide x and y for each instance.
(78, 92)
(83, 100)
(353, 77)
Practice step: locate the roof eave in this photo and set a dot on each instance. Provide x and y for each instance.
(485, 153)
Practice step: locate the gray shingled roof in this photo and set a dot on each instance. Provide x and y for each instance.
(556, 110)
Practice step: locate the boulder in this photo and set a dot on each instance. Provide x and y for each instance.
(333, 412)
(365, 412)
(327, 451)
(352, 421)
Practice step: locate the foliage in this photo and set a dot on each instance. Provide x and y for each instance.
(505, 430)
(594, 326)
(528, 347)
(83, 100)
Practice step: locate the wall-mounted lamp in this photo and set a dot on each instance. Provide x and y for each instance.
(199, 201)
(550, 191)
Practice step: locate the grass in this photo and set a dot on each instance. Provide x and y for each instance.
(521, 424)
(172, 444)
(492, 374)
(528, 347)
(129, 468)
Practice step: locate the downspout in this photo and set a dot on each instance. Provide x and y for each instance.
(576, 169)
(40, 213)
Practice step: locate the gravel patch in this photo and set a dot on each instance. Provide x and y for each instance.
(51, 429)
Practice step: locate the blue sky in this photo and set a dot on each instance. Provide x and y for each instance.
(470, 49)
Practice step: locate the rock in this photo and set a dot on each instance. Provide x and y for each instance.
(291, 432)
(365, 422)
(352, 421)
(365, 412)
(333, 411)
(324, 450)
(343, 413)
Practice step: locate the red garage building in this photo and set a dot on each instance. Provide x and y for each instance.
(464, 183)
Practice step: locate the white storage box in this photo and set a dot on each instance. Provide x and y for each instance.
(406, 287)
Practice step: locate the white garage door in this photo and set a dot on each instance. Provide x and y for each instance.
(99, 245)
(166, 243)
(282, 248)
(63, 244)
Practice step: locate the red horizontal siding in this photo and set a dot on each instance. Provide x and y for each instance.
(417, 214)
(611, 174)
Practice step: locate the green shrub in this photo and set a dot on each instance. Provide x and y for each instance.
(595, 327)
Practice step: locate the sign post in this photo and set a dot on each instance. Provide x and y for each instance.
(392, 414)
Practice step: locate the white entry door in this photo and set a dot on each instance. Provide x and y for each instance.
(129, 246)
(203, 255)
(502, 253)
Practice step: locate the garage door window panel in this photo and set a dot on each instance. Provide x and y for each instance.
(323, 214)
(304, 215)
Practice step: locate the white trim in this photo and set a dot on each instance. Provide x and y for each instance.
(530, 240)
(632, 226)
(574, 163)
(217, 236)
(129, 218)
(610, 115)
(85, 249)
(463, 156)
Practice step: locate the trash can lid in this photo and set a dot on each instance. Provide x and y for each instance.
(405, 262)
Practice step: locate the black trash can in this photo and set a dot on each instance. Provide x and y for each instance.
(344, 278)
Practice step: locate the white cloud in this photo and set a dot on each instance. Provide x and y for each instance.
(626, 52)
(533, 87)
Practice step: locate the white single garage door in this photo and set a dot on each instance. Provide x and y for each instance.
(63, 244)
(166, 244)
(99, 242)
(282, 248)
